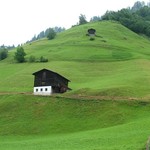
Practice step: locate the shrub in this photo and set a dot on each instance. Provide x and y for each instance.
(42, 59)
(92, 38)
(3, 54)
(32, 58)
(20, 54)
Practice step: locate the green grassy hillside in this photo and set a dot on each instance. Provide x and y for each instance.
(108, 107)
(116, 63)
(113, 42)
(36, 123)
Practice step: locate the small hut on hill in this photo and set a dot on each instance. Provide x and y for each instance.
(91, 32)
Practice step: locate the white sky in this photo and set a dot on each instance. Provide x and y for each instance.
(22, 19)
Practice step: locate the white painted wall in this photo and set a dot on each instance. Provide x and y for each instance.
(43, 90)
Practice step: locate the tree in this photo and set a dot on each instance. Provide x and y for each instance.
(138, 5)
(20, 54)
(82, 19)
(95, 18)
(51, 34)
(3, 53)
(148, 4)
(109, 15)
(42, 34)
(34, 38)
(144, 12)
(58, 29)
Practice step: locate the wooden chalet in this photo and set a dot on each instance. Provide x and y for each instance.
(47, 82)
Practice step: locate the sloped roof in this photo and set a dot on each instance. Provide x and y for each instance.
(91, 31)
(42, 70)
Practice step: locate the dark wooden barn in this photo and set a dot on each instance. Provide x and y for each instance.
(47, 82)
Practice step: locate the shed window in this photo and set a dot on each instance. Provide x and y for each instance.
(36, 90)
(41, 90)
(45, 89)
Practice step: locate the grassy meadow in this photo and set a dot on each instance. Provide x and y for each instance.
(108, 107)
(36, 123)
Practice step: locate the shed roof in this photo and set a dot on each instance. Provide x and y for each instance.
(91, 31)
(42, 70)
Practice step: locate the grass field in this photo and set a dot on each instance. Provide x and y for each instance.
(108, 107)
(37, 123)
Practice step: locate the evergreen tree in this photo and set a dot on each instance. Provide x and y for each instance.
(3, 53)
(95, 18)
(51, 35)
(58, 29)
(138, 5)
(34, 38)
(144, 12)
(82, 19)
(46, 32)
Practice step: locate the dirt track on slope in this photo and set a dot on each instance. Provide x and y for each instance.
(15, 93)
(84, 97)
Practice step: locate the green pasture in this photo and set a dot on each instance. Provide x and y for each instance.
(122, 78)
(108, 106)
(116, 63)
(35, 123)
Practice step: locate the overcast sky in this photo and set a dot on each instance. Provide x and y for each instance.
(22, 19)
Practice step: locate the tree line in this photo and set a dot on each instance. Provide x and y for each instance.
(20, 56)
(49, 33)
(136, 18)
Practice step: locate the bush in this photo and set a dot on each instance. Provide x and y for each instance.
(19, 55)
(92, 38)
(42, 59)
(3, 54)
(32, 58)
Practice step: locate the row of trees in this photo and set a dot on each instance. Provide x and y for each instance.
(136, 18)
(7, 47)
(20, 56)
(49, 33)
(83, 20)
